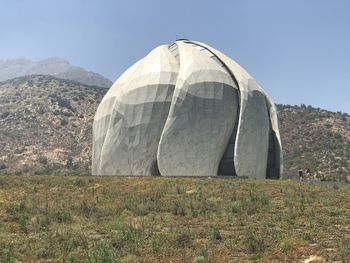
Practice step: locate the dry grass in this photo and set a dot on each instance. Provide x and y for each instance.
(154, 219)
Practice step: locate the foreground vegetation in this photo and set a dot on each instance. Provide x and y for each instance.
(154, 219)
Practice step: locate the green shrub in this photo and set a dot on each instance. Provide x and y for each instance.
(214, 234)
(255, 241)
(276, 234)
(199, 259)
(178, 209)
(130, 234)
(16, 211)
(156, 243)
(117, 222)
(236, 207)
(183, 240)
(64, 217)
(102, 252)
(286, 244)
(8, 255)
(78, 182)
(44, 222)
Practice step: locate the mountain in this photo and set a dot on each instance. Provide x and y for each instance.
(46, 128)
(317, 139)
(46, 125)
(53, 66)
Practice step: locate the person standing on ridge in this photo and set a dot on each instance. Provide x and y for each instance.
(300, 173)
(308, 174)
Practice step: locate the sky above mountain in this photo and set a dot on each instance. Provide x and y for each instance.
(297, 50)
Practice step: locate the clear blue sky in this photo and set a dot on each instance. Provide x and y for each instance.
(297, 50)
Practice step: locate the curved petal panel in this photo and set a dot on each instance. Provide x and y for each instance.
(201, 118)
(138, 115)
(103, 114)
(251, 148)
(247, 85)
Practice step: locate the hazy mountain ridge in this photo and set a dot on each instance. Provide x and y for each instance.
(46, 128)
(55, 66)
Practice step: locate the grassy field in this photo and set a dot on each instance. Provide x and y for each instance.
(154, 219)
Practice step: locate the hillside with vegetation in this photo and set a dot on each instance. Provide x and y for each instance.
(315, 138)
(46, 125)
(46, 128)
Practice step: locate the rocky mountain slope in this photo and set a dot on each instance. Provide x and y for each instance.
(46, 126)
(315, 138)
(53, 66)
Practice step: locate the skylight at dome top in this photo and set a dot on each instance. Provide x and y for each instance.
(186, 109)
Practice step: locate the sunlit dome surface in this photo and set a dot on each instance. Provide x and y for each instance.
(186, 109)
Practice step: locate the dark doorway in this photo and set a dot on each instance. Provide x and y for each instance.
(154, 169)
(226, 166)
(272, 169)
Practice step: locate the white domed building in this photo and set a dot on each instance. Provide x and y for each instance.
(186, 109)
